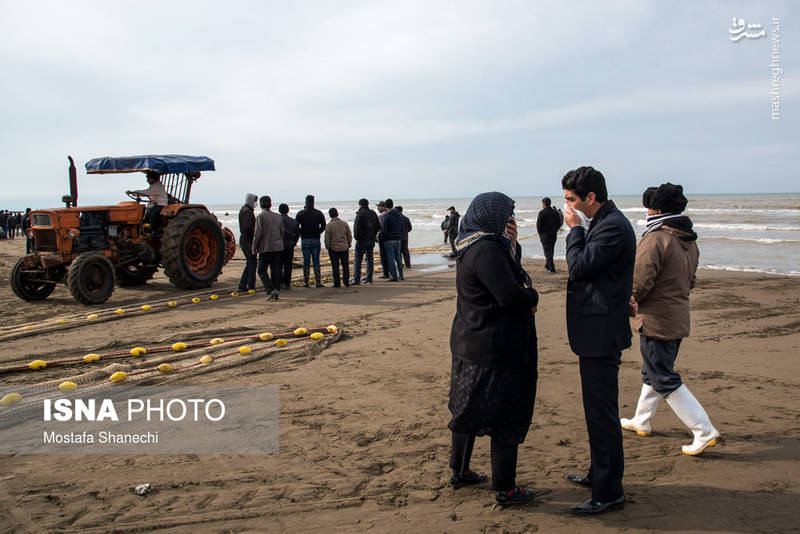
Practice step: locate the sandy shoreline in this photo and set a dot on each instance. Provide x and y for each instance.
(364, 444)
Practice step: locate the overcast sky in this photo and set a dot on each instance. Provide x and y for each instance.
(402, 98)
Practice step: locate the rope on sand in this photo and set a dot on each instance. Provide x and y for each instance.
(259, 346)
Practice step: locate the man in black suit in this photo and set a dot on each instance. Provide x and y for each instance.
(600, 261)
(547, 224)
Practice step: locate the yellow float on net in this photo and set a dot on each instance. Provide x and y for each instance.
(11, 399)
(244, 349)
(164, 368)
(138, 351)
(317, 335)
(29, 327)
(266, 336)
(37, 364)
(196, 300)
(62, 321)
(300, 332)
(332, 328)
(147, 307)
(216, 341)
(172, 304)
(91, 357)
(213, 297)
(179, 346)
(206, 359)
(281, 343)
(67, 386)
(91, 316)
(251, 291)
(119, 376)
(119, 311)
(234, 294)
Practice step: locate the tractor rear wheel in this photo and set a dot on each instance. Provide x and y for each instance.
(91, 278)
(27, 285)
(193, 249)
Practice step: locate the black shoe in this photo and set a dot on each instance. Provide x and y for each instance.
(515, 496)
(580, 480)
(592, 507)
(393, 280)
(467, 479)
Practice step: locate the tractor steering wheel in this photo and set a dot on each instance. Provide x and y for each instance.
(135, 196)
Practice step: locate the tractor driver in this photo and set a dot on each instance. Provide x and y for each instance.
(158, 199)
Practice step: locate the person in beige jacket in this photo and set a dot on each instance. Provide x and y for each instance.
(268, 242)
(664, 274)
(338, 239)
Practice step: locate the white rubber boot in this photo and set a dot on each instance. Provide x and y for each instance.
(689, 410)
(645, 410)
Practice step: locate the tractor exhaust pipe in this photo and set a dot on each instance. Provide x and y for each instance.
(71, 200)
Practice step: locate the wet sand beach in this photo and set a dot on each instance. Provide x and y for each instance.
(363, 439)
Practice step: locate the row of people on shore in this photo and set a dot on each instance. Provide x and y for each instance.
(612, 283)
(15, 223)
(11, 223)
(268, 241)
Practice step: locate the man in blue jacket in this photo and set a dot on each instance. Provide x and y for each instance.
(600, 261)
(391, 233)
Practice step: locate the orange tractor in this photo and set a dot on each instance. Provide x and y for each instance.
(92, 248)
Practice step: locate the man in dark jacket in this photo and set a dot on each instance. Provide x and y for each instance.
(312, 223)
(600, 263)
(381, 247)
(452, 228)
(247, 227)
(291, 234)
(365, 231)
(4, 222)
(547, 224)
(404, 239)
(391, 232)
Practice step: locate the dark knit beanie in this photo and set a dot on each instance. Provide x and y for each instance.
(667, 197)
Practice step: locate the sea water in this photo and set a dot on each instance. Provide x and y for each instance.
(759, 233)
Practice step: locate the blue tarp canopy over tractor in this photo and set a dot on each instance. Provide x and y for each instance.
(169, 164)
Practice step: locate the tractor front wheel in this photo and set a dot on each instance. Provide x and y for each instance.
(28, 284)
(91, 278)
(193, 249)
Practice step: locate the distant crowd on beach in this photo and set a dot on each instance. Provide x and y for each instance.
(268, 241)
(16, 223)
